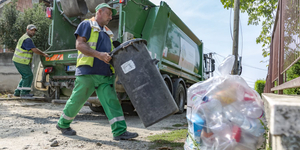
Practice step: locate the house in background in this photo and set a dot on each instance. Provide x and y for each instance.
(21, 6)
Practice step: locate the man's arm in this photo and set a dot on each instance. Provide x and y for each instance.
(84, 48)
(39, 52)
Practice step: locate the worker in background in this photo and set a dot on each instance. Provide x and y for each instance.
(94, 74)
(22, 58)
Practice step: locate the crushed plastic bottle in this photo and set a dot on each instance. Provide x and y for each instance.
(251, 110)
(211, 111)
(236, 117)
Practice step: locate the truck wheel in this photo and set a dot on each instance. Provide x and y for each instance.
(179, 97)
(168, 82)
(97, 109)
(128, 108)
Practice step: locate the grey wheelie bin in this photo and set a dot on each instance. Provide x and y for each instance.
(142, 81)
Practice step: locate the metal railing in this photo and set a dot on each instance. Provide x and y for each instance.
(285, 46)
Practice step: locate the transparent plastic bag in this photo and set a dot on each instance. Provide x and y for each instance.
(225, 112)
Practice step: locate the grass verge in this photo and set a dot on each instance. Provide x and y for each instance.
(169, 141)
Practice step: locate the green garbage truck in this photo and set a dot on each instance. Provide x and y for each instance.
(178, 50)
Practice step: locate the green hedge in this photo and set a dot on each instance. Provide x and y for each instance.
(13, 25)
(259, 86)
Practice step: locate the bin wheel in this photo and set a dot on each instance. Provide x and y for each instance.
(179, 97)
(51, 93)
(97, 109)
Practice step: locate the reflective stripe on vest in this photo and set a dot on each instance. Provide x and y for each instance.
(22, 56)
(92, 42)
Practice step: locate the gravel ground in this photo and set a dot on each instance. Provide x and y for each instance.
(31, 125)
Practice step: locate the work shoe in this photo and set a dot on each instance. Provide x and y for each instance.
(126, 136)
(26, 95)
(66, 131)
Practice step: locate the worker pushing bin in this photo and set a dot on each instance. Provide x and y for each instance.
(142, 81)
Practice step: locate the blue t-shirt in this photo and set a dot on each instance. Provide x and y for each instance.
(27, 44)
(103, 45)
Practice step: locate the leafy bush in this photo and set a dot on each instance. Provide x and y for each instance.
(8, 32)
(292, 73)
(259, 86)
(13, 25)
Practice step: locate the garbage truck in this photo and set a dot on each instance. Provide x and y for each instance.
(179, 52)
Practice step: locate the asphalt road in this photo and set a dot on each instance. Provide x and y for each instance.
(31, 125)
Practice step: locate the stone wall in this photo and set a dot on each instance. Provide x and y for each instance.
(9, 75)
(283, 117)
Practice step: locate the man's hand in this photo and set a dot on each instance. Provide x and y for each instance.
(39, 52)
(45, 55)
(104, 57)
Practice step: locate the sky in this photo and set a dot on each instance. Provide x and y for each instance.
(213, 24)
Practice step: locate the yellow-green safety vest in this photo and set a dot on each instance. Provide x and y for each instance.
(92, 42)
(21, 55)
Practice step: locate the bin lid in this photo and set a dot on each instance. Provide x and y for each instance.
(126, 44)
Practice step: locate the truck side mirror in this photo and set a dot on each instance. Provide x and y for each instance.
(212, 65)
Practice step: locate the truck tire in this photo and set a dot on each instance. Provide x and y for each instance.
(128, 108)
(97, 109)
(179, 94)
(168, 82)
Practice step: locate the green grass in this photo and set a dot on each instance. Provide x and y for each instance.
(173, 140)
(175, 126)
(180, 125)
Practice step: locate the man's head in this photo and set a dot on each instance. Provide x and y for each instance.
(104, 14)
(31, 30)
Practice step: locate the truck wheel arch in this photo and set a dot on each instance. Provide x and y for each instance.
(178, 84)
(168, 82)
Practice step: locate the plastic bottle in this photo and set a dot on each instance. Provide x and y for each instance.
(249, 125)
(236, 117)
(249, 109)
(236, 133)
(252, 110)
(211, 109)
(256, 129)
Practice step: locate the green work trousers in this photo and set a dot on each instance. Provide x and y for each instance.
(85, 85)
(24, 86)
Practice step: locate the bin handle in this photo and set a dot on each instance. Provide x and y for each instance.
(131, 43)
(155, 61)
(50, 42)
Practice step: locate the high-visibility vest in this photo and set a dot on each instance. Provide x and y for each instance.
(21, 55)
(92, 42)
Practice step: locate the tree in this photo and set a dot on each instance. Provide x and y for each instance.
(13, 25)
(8, 33)
(258, 11)
(259, 86)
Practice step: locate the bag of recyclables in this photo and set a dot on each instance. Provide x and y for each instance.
(224, 113)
